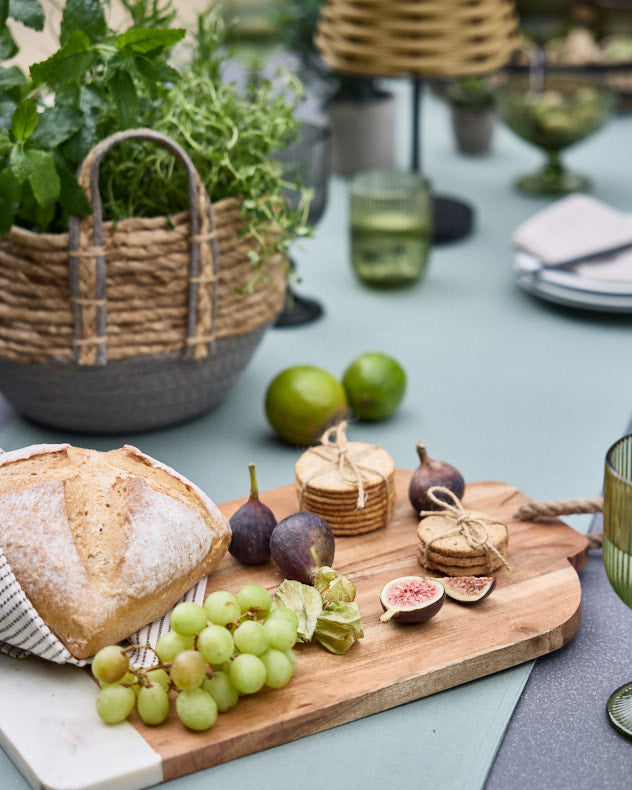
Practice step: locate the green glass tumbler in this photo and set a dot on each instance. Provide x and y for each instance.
(391, 226)
(617, 557)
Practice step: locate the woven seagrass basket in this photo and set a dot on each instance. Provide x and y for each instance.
(134, 326)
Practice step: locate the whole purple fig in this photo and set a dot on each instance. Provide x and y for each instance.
(301, 544)
(433, 473)
(252, 526)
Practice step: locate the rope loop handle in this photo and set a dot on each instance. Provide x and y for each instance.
(87, 263)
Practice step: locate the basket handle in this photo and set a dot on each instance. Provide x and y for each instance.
(87, 267)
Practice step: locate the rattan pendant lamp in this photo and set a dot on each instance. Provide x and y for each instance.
(420, 39)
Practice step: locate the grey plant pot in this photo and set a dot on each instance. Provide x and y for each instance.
(473, 128)
(362, 134)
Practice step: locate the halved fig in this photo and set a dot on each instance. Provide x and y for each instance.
(468, 589)
(411, 599)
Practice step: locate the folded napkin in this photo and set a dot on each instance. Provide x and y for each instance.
(23, 632)
(572, 229)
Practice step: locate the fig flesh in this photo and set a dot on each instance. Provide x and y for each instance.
(411, 599)
(468, 589)
(301, 544)
(431, 473)
(252, 527)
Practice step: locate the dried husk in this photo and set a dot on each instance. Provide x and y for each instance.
(339, 626)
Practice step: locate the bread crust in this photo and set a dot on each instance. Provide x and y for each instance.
(103, 543)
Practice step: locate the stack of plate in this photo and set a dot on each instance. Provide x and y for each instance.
(600, 283)
(577, 252)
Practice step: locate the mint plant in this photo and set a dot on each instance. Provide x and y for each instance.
(99, 81)
(96, 80)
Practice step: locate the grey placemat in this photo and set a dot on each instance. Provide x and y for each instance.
(558, 736)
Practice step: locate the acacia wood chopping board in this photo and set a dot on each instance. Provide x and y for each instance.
(533, 610)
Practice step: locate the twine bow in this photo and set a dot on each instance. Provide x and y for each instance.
(336, 449)
(473, 527)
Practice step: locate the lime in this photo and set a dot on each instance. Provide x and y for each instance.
(303, 401)
(375, 384)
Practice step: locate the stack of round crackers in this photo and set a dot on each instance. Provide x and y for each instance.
(351, 486)
(474, 549)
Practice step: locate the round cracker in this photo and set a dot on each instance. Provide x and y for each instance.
(317, 467)
(431, 528)
(351, 511)
(372, 498)
(481, 569)
(435, 556)
(378, 520)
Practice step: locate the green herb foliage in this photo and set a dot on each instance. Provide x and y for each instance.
(99, 81)
(230, 133)
(296, 22)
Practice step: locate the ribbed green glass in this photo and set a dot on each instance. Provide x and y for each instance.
(391, 226)
(617, 556)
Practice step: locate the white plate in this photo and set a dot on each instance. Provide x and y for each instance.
(572, 287)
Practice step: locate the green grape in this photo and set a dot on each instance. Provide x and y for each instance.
(222, 608)
(188, 618)
(285, 613)
(280, 632)
(255, 598)
(115, 703)
(172, 643)
(110, 664)
(247, 673)
(222, 690)
(153, 703)
(279, 669)
(215, 643)
(196, 709)
(188, 670)
(291, 656)
(128, 679)
(223, 667)
(158, 676)
(250, 637)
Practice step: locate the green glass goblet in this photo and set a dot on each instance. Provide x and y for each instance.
(566, 110)
(617, 557)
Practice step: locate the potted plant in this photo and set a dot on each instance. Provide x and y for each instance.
(188, 267)
(361, 113)
(473, 112)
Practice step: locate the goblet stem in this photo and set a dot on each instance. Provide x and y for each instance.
(553, 169)
(553, 178)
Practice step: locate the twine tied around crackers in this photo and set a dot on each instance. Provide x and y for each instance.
(472, 526)
(335, 451)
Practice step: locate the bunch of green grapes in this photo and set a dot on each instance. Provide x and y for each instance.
(213, 654)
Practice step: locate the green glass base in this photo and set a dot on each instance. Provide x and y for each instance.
(552, 182)
(619, 710)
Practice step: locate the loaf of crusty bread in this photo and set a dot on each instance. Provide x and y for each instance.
(103, 543)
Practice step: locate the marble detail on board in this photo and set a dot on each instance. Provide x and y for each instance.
(50, 729)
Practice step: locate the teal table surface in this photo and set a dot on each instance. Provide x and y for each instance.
(502, 385)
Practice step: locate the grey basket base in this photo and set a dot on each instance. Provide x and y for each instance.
(139, 394)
